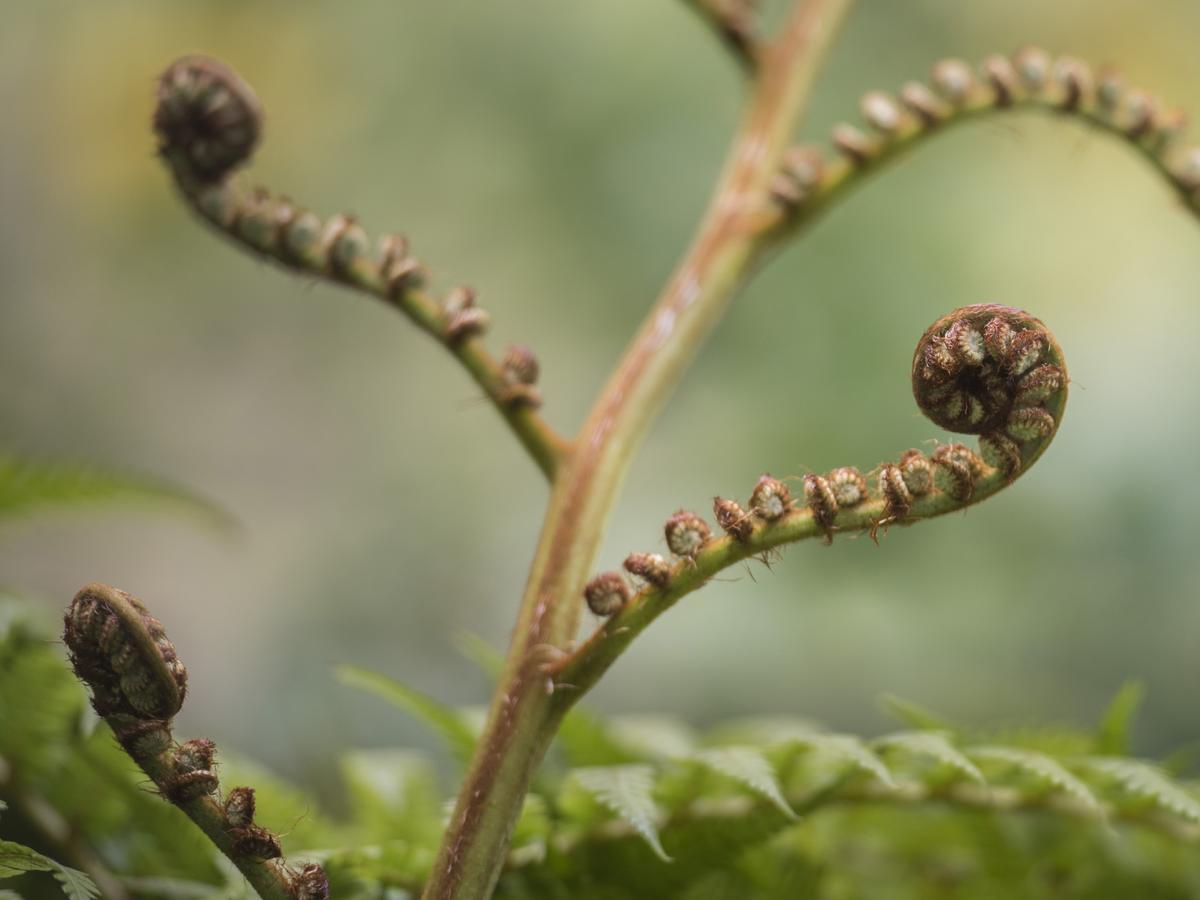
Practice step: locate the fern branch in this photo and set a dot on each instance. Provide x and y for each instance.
(208, 121)
(138, 684)
(734, 22)
(988, 370)
(810, 184)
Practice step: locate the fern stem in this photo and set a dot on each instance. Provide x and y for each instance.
(522, 719)
(733, 22)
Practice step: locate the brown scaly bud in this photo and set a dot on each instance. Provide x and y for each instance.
(799, 175)
(520, 373)
(923, 103)
(302, 236)
(848, 485)
(1032, 65)
(310, 883)
(953, 80)
(606, 594)
(956, 470)
(897, 500)
(734, 520)
(256, 842)
(349, 247)
(1074, 80)
(853, 144)
(258, 220)
(463, 318)
(207, 119)
(239, 807)
(650, 567)
(881, 111)
(124, 655)
(193, 775)
(819, 498)
(770, 499)
(1008, 379)
(1000, 452)
(142, 739)
(917, 472)
(686, 533)
(1001, 78)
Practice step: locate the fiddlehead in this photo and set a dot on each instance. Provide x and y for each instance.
(138, 684)
(811, 181)
(986, 370)
(208, 123)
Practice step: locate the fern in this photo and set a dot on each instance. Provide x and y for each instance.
(16, 859)
(27, 485)
(452, 725)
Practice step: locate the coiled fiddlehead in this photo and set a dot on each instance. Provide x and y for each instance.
(987, 370)
(208, 122)
(138, 684)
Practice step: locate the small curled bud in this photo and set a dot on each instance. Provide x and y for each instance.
(124, 655)
(957, 468)
(310, 883)
(519, 370)
(1033, 68)
(463, 318)
(257, 843)
(917, 472)
(953, 80)
(1074, 79)
(686, 533)
(239, 807)
(207, 118)
(853, 144)
(193, 775)
(606, 594)
(1001, 78)
(350, 245)
(819, 498)
(142, 739)
(770, 499)
(799, 174)
(650, 567)
(881, 112)
(734, 520)
(848, 485)
(897, 500)
(1000, 452)
(923, 103)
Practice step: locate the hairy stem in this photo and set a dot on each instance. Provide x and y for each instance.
(522, 719)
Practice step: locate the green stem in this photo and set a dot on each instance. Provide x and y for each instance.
(523, 719)
(270, 879)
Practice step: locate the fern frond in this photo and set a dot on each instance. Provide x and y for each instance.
(934, 745)
(27, 485)
(449, 723)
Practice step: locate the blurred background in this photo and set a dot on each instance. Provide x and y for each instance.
(556, 155)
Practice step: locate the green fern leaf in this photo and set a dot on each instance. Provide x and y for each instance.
(649, 736)
(26, 485)
(1044, 769)
(1146, 780)
(452, 725)
(914, 715)
(626, 791)
(17, 859)
(1112, 737)
(846, 749)
(750, 767)
(932, 744)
